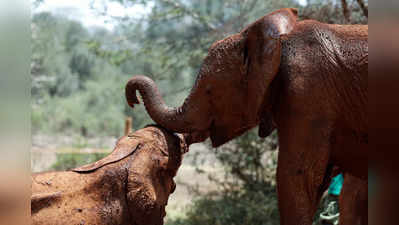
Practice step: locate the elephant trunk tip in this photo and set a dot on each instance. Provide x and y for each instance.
(133, 101)
(130, 92)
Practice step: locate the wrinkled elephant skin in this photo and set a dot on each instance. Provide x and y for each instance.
(130, 186)
(307, 79)
(353, 201)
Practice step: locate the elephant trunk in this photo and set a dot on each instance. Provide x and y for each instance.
(183, 119)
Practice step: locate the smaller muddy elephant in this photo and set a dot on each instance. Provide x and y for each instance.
(130, 186)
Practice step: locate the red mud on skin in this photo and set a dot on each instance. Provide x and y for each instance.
(124, 188)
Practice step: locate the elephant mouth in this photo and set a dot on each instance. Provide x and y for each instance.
(153, 216)
(219, 136)
(218, 139)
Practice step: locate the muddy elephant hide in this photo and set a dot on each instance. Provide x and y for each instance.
(353, 201)
(307, 79)
(129, 186)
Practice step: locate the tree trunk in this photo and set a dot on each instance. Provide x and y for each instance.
(345, 11)
(128, 125)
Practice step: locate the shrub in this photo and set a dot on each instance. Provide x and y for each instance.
(67, 161)
(247, 193)
(233, 208)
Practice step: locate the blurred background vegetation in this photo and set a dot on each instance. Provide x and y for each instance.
(78, 74)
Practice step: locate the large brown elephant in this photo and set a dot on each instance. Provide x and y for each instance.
(131, 186)
(306, 79)
(353, 201)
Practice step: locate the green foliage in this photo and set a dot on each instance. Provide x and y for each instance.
(250, 160)
(247, 208)
(73, 89)
(330, 11)
(67, 161)
(247, 192)
(179, 33)
(89, 110)
(78, 75)
(52, 42)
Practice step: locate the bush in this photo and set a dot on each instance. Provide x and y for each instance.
(233, 208)
(247, 194)
(67, 161)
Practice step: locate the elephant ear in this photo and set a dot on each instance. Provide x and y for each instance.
(263, 47)
(125, 146)
(262, 57)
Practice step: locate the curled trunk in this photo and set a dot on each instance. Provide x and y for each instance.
(184, 119)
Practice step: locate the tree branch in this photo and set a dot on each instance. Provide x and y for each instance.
(192, 13)
(243, 177)
(241, 18)
(364, 8)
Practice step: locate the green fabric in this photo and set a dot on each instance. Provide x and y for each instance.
(336, 184)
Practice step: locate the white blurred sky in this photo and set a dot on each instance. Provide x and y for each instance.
(80, 10)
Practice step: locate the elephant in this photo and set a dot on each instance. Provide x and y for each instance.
(306, 79)
(353, 201)
(129, 186)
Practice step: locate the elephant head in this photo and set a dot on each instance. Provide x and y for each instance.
(156, 159)
(233, 88)
(129, 186)
(150, 180)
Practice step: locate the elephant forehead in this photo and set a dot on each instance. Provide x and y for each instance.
(147, 138)
(146, 133)
(163, 140)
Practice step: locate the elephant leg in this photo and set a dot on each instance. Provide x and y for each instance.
(353, 201)
(303, 172)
